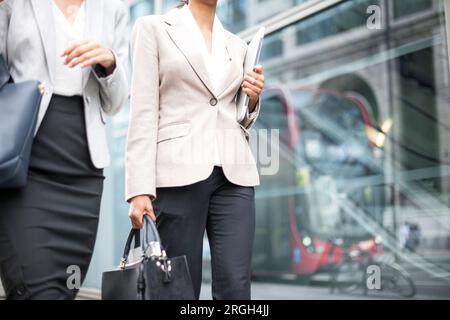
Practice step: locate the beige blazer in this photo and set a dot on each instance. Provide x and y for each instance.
(176, 115)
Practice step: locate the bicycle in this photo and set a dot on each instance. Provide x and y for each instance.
(358, 266)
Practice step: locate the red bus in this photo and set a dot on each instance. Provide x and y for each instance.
(327, 152)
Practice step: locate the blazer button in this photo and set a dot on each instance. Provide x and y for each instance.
(213, 102)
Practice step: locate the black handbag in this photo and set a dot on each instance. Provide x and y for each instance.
(19, 108)
(155, 277)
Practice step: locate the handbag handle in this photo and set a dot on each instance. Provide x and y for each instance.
(156, 249)
(136, 235)
(149, 224)
(154, 244)
(4, 73)
(157, 253)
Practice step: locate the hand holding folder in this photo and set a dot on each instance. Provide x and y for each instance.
(251, 60)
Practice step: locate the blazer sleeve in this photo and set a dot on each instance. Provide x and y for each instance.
(250, 118)
(143, 127)
(114, 88)
(5, 14)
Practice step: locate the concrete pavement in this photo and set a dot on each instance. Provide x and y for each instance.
(274, 291)
(278, 291)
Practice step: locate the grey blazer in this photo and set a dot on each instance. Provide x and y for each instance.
(27, 40)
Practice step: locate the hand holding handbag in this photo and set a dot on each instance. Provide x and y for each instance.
(155, 277)
(19, 108)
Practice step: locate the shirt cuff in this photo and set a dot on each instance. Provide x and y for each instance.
(252, 115)
(100, 72)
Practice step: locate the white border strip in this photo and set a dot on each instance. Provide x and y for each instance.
(291, 16)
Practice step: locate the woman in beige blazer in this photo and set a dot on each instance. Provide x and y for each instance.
(188, 164)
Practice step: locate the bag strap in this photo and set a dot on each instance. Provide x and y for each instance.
(152, 247)
(157, 253)
(5, 76)
(136, 235)
(149, 224)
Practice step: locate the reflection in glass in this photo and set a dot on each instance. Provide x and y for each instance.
(141, 8)
(367, 160)
(345, 17)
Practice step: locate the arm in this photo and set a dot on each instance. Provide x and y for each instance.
(5, 14)
(143, 126)
(108, 64)
(250, 117)
(252, 86)
(141, 147)
(114, 87)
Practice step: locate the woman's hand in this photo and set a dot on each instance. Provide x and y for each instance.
(89, 53)
(140, 206)
(253, 85)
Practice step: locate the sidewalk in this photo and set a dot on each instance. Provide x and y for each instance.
(262, 291)
(275, 291)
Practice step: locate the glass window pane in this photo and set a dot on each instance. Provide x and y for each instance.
(370, 159)
(344, 17)
(169, 4)
(233, 14)
(404, 8)
(141, 8)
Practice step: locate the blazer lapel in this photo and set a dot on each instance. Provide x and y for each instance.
(234, 69)
(177, 32)
(44, 17)
(93, 27)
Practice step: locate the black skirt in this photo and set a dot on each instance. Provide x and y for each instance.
(48, 228)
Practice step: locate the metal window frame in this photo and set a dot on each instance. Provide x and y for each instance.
(447, 22)
(305, 10)
(286, 18)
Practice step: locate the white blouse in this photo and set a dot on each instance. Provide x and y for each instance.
(68, 81)
(216, 62)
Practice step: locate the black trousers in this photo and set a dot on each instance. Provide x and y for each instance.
(48, 228)
(227, 213)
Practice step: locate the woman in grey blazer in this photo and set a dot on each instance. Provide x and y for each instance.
(78, 49)
(186, 150)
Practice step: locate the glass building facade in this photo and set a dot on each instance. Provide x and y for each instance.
(360, 93)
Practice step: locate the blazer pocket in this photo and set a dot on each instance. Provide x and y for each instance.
(173, 131)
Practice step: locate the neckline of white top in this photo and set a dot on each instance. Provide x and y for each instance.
(67, 81)
(78, 19)
(218, 34)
